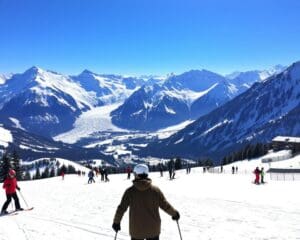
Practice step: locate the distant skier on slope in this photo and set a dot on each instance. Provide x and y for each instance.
(257, 174)
(171, 167)
(262, 175)
(144, 201)
(106, 174)
(128, 170)
(91, 177)
(102, 174)
(10, 185)
(161, 169)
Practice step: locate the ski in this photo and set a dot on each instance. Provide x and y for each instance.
(28, 209)
(11, 213)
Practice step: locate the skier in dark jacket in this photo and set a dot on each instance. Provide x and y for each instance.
(144, 201)
(128, 170)
(171, 168)
(102, 173)
(91, 177)
(105, 170)
(161, 169)
(10, 185)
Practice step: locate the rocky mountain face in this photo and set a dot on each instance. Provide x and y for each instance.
(47, 103)
(269, 108)
(44, 102)
(182, 97)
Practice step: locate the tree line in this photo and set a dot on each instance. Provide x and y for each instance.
(248, 152)
(50, 168)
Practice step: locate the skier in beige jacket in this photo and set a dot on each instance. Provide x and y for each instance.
(144, 201)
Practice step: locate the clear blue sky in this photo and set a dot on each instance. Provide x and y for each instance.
(148, 36)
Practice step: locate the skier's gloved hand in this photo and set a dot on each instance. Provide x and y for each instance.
(18, 188)
(176, 216)
(116, 227)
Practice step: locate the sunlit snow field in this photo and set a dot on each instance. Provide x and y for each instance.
(212, 206)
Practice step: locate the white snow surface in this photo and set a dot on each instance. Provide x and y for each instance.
(49, 82)
(287, 139)
(4, 77)
(95, 120)
(167, 132)
(5, 137)
(212, 206)
(17, 123)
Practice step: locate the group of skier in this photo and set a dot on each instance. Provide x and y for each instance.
(103, 172)
(259, 175)
(143, 199)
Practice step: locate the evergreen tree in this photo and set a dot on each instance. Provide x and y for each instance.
(46, 173)
(5, 165)
(200, 163)
(178, 163)
(208, 162)
(52, 172)
(61, 170)
(15, 162)
(37, 173)
(27, 176)
(71, 169)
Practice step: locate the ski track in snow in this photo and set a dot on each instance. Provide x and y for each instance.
(212, 206)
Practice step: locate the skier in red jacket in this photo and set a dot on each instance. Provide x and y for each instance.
(257, 173)
(10, 185)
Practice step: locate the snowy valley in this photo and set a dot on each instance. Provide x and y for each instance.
(111, 117)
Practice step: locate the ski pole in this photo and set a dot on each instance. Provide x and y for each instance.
(179, 229)
(116, 235)
(23, 198)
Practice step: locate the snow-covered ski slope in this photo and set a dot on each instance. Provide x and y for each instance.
(212, 206)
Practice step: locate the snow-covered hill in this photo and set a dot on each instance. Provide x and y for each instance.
(212, 206)
(51, 163)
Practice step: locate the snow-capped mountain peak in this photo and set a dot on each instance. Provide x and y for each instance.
(267, 109)
(44, 98)
(109, 88)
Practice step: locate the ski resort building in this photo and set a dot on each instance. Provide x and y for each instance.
(284, 174)
(285, 143)
(277, 156)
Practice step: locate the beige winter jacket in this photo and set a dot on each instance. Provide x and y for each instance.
(144, 201)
